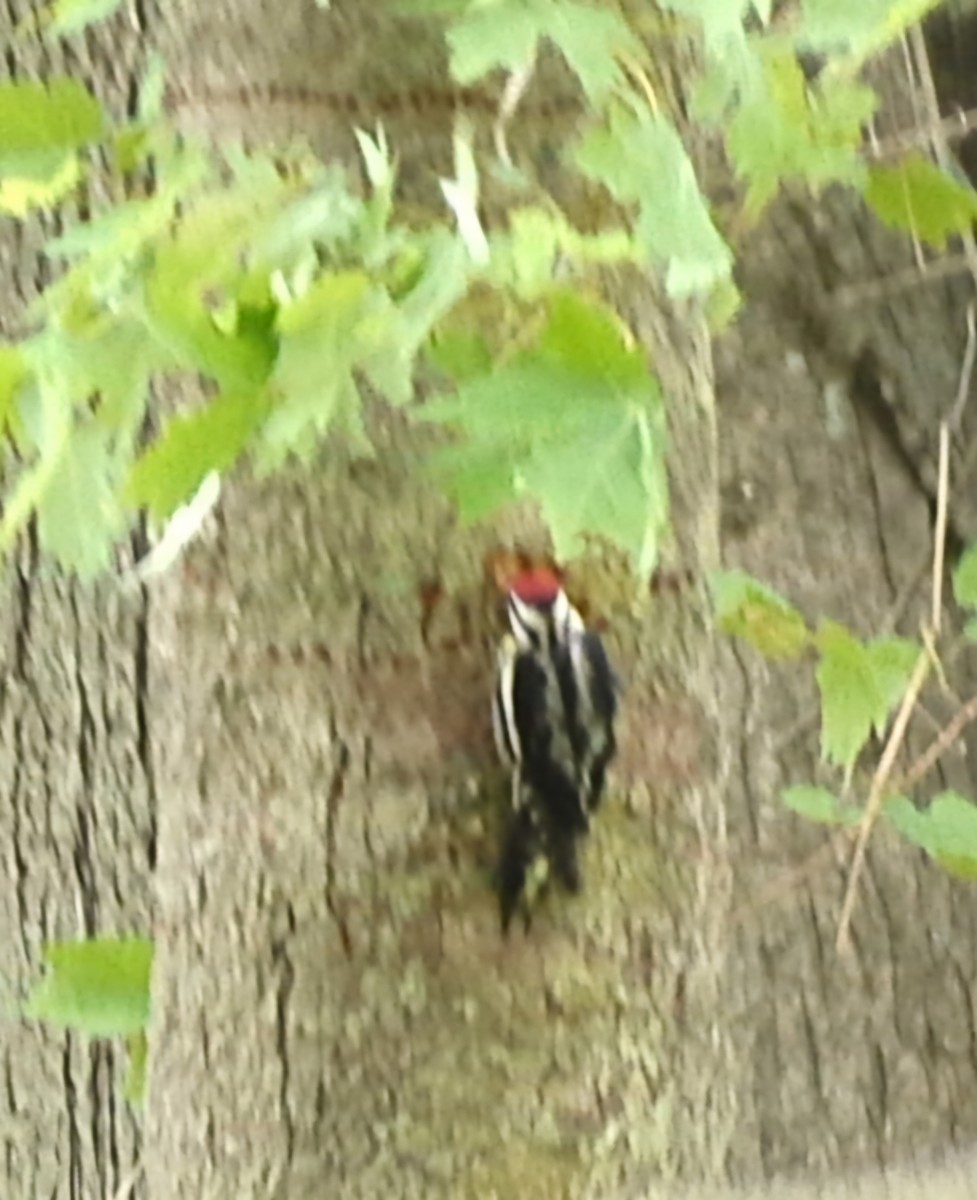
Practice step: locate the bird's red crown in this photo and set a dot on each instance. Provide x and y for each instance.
(536, 585)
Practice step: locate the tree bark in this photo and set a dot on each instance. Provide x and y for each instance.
(333, 1009)
(77, 793)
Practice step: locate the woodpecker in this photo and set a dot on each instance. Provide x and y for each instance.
(553, 715)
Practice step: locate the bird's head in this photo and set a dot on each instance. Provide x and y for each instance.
(538, 607)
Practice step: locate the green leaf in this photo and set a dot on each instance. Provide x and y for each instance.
(892, 661)
(66, 17)
(608, 482)
(947, 830)
(98, 987)
(190, 447)
(860, 684)
(41, 129)
(721, 20)
(964, 577)
(917, 196)
(313, 378)
(461, 353)
(506, 35)
(14, 370)
(526, 256)
(78, 515)
(820, 805)
(484, 39)
(783, 131)
(134, 1087)
(575, 423)
(642, 160)
(861, 29)
(748, 609)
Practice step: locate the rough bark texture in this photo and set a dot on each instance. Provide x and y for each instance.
(828, 416)
(334, 1012)
(324, 845)
(77, 800)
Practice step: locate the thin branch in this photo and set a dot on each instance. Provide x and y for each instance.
(900, 281)
(512, 93)
(128, 1183)
(786, 881)
(939, 545)
(876, 794)
(940, 148)
(920, 672)
(957, 126)
(938, 747)
(966, 371)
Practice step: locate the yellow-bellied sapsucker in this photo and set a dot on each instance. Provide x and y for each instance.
(553, 715)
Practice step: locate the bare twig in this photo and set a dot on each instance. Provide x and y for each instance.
(900, 281)
(128, 1183)
(786, 881)
(512, 93)
(939, 746)
(921, 670)
(966, 371)
(876, 795)
(937, 140)
(957, 126)
(939, 545)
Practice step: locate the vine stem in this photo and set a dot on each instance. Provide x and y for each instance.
(940, 744)
(876, 794)
(924, 664)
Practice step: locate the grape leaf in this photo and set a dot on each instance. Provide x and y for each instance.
(641, 159)
(783, 131)
(20, 194)
(917, 196)
(965, 578)
(610, 482)
(748, 609)
(98, 987)
(66, 17)
(463, 354)
(190, 447)
(722, 20)
(525, 257)
(575, 422)
(863, 28)
(859, 684)
(78, 515)
(13, 372)
(441, 282)
(506, 35)
(818, 804)
(41, 126)
(313, 375)
(41, 130)
(946, 830)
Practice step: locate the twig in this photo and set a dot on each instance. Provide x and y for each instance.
(922, 669)
(787, 880)
(937, 140)
(938, 746)
(876, 793)
(958, 125)
(512, 93)
(899, 281)
(966, 371)
(128, 1183)
(939, 547)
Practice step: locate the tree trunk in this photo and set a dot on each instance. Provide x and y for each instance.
(333, 1009)
(77, 794)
